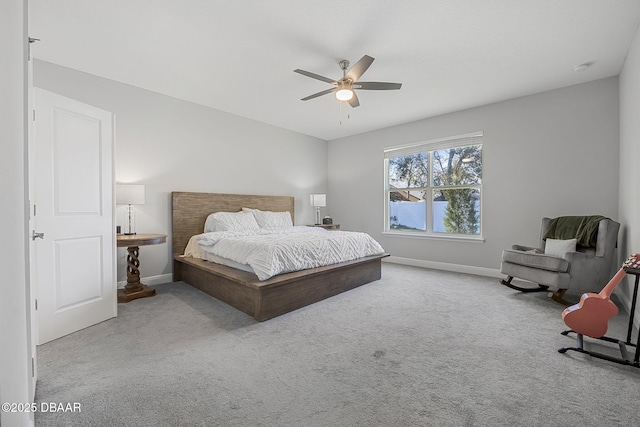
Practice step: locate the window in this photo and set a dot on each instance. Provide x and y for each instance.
(435, 187)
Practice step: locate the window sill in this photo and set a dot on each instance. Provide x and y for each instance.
(455, 238)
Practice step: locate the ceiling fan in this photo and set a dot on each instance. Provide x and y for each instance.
(344, 88)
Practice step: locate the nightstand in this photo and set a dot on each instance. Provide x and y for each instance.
(134, 289)
(326, 226)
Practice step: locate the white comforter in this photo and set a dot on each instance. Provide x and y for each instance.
(271, 252)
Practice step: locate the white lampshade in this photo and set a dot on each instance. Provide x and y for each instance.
(129, 194)
(319, 200)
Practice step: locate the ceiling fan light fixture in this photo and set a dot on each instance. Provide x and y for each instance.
(343, 88)
(344, 94)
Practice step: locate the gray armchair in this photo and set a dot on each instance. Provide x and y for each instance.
(587, 269)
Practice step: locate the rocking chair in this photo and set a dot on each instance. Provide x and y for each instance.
(575, 253)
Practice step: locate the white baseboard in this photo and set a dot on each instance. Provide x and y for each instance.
(457, 268)
(151, 280)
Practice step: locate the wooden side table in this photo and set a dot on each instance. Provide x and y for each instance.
(134, 288)
(326, 226)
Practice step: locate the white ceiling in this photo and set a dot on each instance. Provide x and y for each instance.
(239, 56)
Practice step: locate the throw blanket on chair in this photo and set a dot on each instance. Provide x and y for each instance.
(582, 228)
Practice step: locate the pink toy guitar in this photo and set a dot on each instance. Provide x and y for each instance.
(590, 316)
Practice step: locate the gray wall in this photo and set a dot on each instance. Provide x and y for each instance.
(549, 154)
(172, 145)
(629, 155)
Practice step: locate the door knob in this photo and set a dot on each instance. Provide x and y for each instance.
(35, 235)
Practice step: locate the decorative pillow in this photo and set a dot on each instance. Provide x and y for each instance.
(268, 219)
(559, 247)
(230, 221)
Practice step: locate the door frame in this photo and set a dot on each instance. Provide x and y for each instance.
(16, 381)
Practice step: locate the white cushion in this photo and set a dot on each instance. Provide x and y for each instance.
(268, 219)
(559, 247)
(230, 221)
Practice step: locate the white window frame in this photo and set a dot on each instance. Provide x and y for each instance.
(464, 140)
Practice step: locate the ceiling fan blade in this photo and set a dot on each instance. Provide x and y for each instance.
(315, 95)
(359, 68)
(354, 102)
(314, 76)
(377, 85)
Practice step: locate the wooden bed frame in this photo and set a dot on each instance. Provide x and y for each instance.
(261, 299)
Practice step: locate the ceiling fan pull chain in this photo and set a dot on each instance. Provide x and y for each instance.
(340, 113)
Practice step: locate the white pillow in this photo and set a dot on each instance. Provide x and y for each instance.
(559, 247)
(268, 219)
(230, 221)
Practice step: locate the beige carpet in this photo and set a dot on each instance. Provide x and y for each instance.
(417, 348)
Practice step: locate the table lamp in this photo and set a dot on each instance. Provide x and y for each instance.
(130, 194)
(318, 201)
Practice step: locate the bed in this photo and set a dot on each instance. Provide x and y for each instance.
(261, 299)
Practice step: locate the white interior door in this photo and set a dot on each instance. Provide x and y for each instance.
(73, 196)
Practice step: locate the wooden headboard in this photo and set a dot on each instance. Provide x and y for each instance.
(189, 211)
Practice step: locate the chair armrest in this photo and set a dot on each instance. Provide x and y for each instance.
(589, 273)
(577, 257)
(526, 249)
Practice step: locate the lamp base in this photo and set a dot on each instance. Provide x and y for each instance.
(130, 227)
